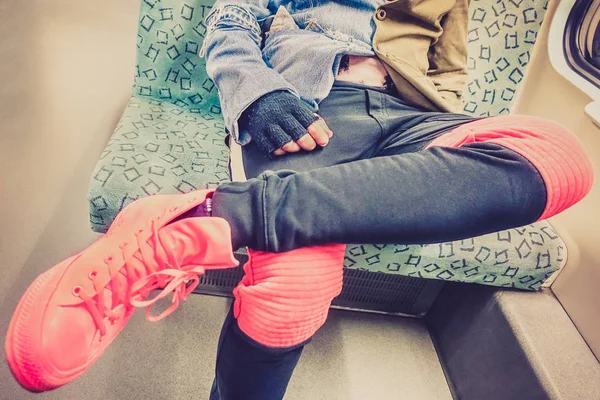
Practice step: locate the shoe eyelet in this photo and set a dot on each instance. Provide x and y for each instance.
(77, 291)
(122, 245)
(138, 232)
(173, 209)
(92, 274)
(108, 259)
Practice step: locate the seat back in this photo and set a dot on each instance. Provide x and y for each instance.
(170, 34)
(500, 42)
(168, 67)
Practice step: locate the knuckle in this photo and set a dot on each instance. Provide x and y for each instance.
(320, 137)
(307, 140)
(314, 124)
(291, 147)
(310, 145)
(303, 139)
(321, 141)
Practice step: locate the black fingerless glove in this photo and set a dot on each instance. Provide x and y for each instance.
(275, 119)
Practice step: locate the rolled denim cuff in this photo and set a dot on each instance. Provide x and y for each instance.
(234, 62)
(231, 16)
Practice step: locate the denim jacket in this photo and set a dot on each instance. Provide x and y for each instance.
(404, 34)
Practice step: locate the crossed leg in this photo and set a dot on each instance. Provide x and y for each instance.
(418, 178)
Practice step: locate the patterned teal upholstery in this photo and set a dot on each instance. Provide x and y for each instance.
(501, 37)
(171, 140)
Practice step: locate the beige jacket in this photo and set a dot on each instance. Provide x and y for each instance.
(423, 44)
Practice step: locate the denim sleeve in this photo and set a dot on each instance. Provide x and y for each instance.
(234, 61)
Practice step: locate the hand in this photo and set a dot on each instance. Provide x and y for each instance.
(280, 123)
(318, 134)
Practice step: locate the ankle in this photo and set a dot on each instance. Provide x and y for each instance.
(202, 210)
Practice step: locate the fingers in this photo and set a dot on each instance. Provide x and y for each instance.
(325, 126)
(318, 135)
(291, 147)
(307, 142)
(319, 132)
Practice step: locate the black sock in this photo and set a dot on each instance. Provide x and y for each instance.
(201, 210)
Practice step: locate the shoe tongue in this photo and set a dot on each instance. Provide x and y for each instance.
(199, 241)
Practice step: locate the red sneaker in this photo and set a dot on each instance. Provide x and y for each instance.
(72, 312)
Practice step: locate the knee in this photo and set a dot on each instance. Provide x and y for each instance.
(553, 150)
(559, 157)
(284, 298)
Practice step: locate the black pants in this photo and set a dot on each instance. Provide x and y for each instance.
(380, 186)
(375, 182)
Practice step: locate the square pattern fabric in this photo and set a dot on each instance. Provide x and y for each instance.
(170, 139)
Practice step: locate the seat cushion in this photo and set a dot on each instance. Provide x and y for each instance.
(170, 139)
(157, 147)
